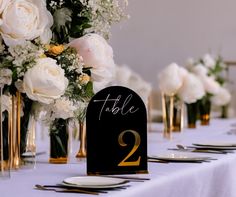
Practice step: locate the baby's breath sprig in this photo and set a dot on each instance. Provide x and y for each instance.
(80, 86)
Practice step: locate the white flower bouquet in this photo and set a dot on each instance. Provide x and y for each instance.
(56, 55)
(178, 86)
(212, 72)
(176, 81)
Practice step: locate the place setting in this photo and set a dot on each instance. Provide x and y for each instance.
(224, 146)
(92, 185)
(180, 157)
(111, 167)
(199, 149)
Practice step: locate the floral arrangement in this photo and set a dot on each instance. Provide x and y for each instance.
(212, 72)
(56, 54)
(125, 76)
(178, 87)
(175, 80)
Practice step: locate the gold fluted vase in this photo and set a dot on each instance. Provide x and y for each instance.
(167, 115)
(173, 115)
(15, 132)
(82, 138)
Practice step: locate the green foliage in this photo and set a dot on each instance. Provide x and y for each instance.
(70, 20)
(59, 138)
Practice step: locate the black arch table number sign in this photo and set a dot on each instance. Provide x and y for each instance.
(116, 125)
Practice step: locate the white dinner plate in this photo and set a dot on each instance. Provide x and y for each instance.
(179, 157)
(217, 144)
(94, 182)
(214, 147)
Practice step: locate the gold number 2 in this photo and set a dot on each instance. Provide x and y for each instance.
(124, 162)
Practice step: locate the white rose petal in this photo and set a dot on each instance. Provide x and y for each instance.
(102, 77)
(45, 81)
(141, 87)
(25, 20)
(97, 86)
(95, 50)
(222, 98)
(3, 4)
(98, 54)
(183, 72)
(128, 78)
(171, 79)
(210, 84)
(199, 70)
(192, 89)
(123, 74)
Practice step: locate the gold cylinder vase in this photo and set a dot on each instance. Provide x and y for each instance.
(167, 115)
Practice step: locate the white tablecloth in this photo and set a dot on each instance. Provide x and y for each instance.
(212, 179)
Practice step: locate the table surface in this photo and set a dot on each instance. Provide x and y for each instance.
(209, 179)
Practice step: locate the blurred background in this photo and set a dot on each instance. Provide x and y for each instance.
(160, 32)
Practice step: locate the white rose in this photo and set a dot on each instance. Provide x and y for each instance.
(192, 89)
(210, 84)
(26, 20)
(199, 70)
(102, 77)
(3, 4)
(171, 79)
(208, 61)
(141, 87)
(95, 50)
(123, 74)
(222, 98)
(98, 54)
(45, 81)
(128, 78)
